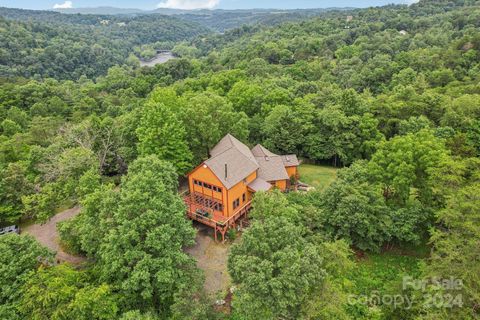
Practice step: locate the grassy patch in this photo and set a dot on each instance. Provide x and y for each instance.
(379, 275)
(319, 177)
(383, 272)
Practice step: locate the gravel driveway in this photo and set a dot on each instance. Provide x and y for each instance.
(212, 259)
(47, 235)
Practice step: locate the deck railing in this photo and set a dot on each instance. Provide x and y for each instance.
(243, 209)
(193, 206)
(220, 224)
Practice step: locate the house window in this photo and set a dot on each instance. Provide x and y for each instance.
(198, 183)
(217, 189)
(206, 185)
(244, 197)
(236, 203)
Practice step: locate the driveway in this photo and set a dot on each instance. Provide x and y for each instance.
(47, 235)
(212, 259)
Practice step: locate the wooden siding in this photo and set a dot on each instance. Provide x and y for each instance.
(280, 184)
(203, 174)
(237, 191)
(227, 197)
(291, 171)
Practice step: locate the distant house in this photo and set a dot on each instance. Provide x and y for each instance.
(221, 187)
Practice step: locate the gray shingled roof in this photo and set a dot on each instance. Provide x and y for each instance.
(271, 168)
(238, 158)
(261, 151)
(229, 142)
(290, 160)
(241, 162)
(259, 185)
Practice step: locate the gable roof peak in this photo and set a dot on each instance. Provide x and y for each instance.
(232, 155)
(261, 151)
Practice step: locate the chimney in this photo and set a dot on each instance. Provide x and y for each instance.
(226, 171)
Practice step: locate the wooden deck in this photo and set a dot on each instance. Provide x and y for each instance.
(217, 221)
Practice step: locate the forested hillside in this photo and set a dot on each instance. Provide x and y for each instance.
(217, 20)
(44, 44)
(223, 20)
(390, 96)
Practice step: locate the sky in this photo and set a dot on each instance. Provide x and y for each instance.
(196, 4)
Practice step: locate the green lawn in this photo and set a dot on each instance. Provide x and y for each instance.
(319, 177)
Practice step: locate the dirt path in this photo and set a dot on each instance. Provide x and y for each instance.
(47, 235)
(212, 259)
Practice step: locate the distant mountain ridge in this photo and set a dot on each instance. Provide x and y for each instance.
(101, 11)
(105, 10)
(219, 20)
(120, 11)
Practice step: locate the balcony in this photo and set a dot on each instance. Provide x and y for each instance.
(207, 216)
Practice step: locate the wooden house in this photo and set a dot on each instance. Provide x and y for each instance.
(221, 188)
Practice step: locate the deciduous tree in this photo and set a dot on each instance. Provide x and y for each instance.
(142, 252)
(275, 268)
(161, 133)
(61, 293)
(20, 256)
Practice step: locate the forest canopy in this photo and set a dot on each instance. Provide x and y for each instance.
(389, 96)
(42, 44)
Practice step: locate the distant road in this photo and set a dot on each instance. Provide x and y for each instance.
(159, 59)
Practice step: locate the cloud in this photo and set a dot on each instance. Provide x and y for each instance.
(409, 2)
(65, 5)
(188, 4)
